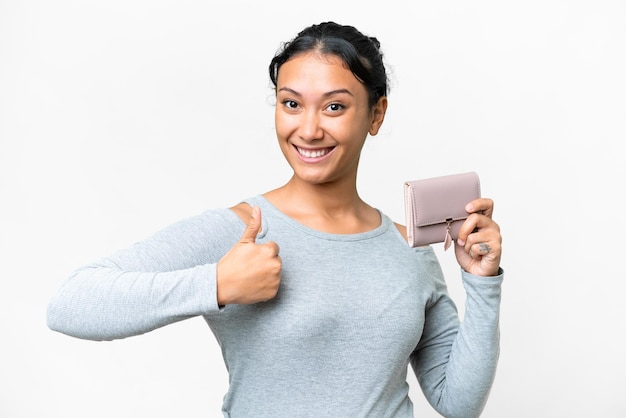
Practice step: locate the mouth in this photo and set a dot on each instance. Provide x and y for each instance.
(314, 153)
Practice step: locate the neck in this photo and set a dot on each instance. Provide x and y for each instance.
(326, 197)
(328, 207)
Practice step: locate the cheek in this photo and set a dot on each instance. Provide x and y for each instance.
(284, 125)
(347, 131)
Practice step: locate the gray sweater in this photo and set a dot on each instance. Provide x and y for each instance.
(352, 312)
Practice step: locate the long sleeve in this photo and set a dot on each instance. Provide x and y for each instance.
(351, 312)
(456, 362)
(166, 278)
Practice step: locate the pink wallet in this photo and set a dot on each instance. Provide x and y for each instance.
(435, 207)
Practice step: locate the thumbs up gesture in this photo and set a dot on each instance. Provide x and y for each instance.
(249, 272)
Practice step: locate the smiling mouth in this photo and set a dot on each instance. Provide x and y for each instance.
(314, 153)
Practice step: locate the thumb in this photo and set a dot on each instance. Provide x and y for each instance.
(253, 228)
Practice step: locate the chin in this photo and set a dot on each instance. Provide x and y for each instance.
(312, 178)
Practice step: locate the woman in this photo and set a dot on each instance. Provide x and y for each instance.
(317, 301)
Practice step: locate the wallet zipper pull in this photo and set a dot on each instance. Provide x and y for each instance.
(448, 239)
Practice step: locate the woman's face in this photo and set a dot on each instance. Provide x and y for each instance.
(323, 117)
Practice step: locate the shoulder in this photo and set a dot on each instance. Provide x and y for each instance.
(401, 229)
(243, 210)
(215, 222)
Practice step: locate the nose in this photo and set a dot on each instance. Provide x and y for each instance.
(310, 127)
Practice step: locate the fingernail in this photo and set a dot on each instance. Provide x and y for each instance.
(460, 242)
(469, 207)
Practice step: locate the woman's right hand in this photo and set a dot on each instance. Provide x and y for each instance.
(249, 272)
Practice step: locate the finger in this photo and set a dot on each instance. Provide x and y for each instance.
(481, 205)
(480, 249)
(253, 227)
(273, 248)
(475, 223)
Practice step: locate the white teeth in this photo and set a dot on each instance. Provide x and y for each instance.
(313, 153)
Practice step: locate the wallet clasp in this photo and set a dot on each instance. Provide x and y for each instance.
(447, 241)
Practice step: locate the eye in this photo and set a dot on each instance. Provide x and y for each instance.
(290, 104)
(335, 107)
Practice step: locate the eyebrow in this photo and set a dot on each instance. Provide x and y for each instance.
(327, 94)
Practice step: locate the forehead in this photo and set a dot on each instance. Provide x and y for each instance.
(314, 70)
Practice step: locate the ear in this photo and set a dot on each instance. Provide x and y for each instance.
(378, 115)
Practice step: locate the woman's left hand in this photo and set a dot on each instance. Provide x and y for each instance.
(478, 247)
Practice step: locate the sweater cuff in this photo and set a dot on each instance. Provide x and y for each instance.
(483, 290)
(470, 276)
(211, 292)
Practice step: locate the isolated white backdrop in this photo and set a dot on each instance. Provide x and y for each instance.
(118, 118)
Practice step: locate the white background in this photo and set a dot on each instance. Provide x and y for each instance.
(118, 118)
